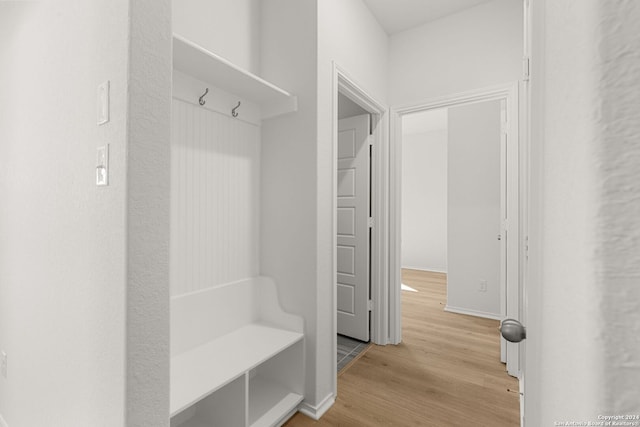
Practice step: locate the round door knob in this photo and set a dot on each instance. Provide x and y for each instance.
(512, 330)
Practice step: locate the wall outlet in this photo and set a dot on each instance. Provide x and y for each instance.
(483, 286)
(3, 356)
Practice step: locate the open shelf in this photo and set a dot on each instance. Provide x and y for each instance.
(225, 407)
(270, 402)
(204, 65)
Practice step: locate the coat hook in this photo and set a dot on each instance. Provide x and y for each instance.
(234, 113)
(201, 100)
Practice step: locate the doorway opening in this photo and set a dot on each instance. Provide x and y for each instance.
(453, 202)
(482, 201)
(353, 230)
(360, 285)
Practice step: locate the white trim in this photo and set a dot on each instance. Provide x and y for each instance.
(3, 423)
(509, 92)
(474, 96)
(334, 230)
(534, 132)
(315, 412)
(475, 313)
(343, 83)
(395, 229)
(521, 389)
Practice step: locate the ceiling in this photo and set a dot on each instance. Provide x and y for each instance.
(399, 15)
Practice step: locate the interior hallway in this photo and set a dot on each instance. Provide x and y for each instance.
(447, 371)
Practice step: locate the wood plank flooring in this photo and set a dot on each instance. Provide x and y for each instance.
(447, 371)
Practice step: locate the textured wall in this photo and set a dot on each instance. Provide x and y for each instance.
(584, 356)
(618, 224)
(62, 239)
(147, 247)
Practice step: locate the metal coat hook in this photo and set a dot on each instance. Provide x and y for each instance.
(201, 100)
(234, 113)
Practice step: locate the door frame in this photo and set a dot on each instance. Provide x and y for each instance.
(346, 85)
(510, 297)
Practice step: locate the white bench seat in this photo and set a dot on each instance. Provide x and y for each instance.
(202, 370)
(237, 359)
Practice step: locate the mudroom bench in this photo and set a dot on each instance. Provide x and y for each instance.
(237, 359)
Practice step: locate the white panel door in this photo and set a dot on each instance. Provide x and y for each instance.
(353, 227)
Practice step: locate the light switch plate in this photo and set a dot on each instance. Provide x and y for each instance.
(103, 103)
(102, 166)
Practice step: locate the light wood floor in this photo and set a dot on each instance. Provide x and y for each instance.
(447, 371)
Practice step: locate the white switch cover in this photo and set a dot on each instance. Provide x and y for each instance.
(102, 166)
(103, 103)
(4, 364)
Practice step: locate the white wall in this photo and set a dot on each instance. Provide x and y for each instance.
(582, 351)
(475, 48)
(229, 28)
(299, 41)
(473, 216)
(83, 279)
(424, 200)
(288, 199)
(349, 35)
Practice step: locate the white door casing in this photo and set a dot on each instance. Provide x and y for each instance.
(353, 210)
(503, 221)
(514, 156)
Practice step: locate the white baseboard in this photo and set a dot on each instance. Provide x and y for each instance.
(428, 270)
(3, 423)
(472, 312)
(315, 412)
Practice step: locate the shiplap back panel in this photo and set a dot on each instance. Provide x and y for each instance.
(215, 169)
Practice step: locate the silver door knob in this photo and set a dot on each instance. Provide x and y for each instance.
(512, 330)
(499, 237)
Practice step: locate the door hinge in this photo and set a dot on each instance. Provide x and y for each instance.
(526, 69)
(370, 222)
(370, 140)
(370, 305)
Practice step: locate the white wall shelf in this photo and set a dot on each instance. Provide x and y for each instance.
(196, 61)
